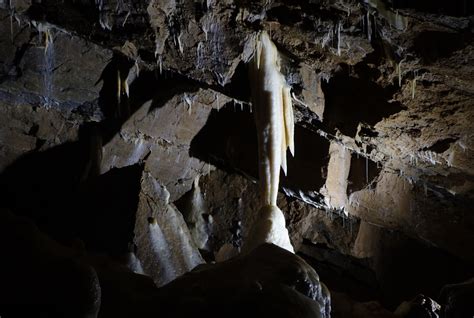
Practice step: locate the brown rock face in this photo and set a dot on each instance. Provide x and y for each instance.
(111, 110)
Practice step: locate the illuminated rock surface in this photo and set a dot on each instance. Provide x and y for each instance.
(102, 104)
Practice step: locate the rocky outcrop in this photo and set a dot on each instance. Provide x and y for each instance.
(160, 231)
(456, 299)
(45, 277)
(253, 282)
(381, 185)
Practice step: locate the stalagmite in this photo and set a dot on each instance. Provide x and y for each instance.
(275, 129)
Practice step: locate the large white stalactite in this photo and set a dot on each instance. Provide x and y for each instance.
(275, 130)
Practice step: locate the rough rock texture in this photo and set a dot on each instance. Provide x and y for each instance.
(101, 100)
(420, 306)
(54, 280)
(164, 244)
(267, 272)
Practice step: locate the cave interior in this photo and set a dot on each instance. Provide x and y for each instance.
(129, 159)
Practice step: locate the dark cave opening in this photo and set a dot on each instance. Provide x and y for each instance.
(352, 100)
(362, 174)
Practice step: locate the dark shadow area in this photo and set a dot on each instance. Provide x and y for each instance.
(105, 210)
(38, 183)
(407, 267)
(229, 141)
(157, 87)
(401, 268)
(441, 145)
(160, 88)
(433, 45)
(362, 174)
(303, 13)
(112, 76)
(284, 15)
(306, 168)
(239, 85)
(83, 16)
(60, 189)
(350, 100)
(453, 7)
(342, 273)
(49, 188)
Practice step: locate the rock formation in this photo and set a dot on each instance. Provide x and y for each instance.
(111, 110)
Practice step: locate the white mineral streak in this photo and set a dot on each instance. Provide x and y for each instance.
(164, 244)
(413, 87)
(275, 129)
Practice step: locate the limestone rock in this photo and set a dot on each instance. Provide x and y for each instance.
(254, 281)
(420, 306)
(160, 231)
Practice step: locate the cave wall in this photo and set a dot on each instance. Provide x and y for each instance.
(383, 96)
